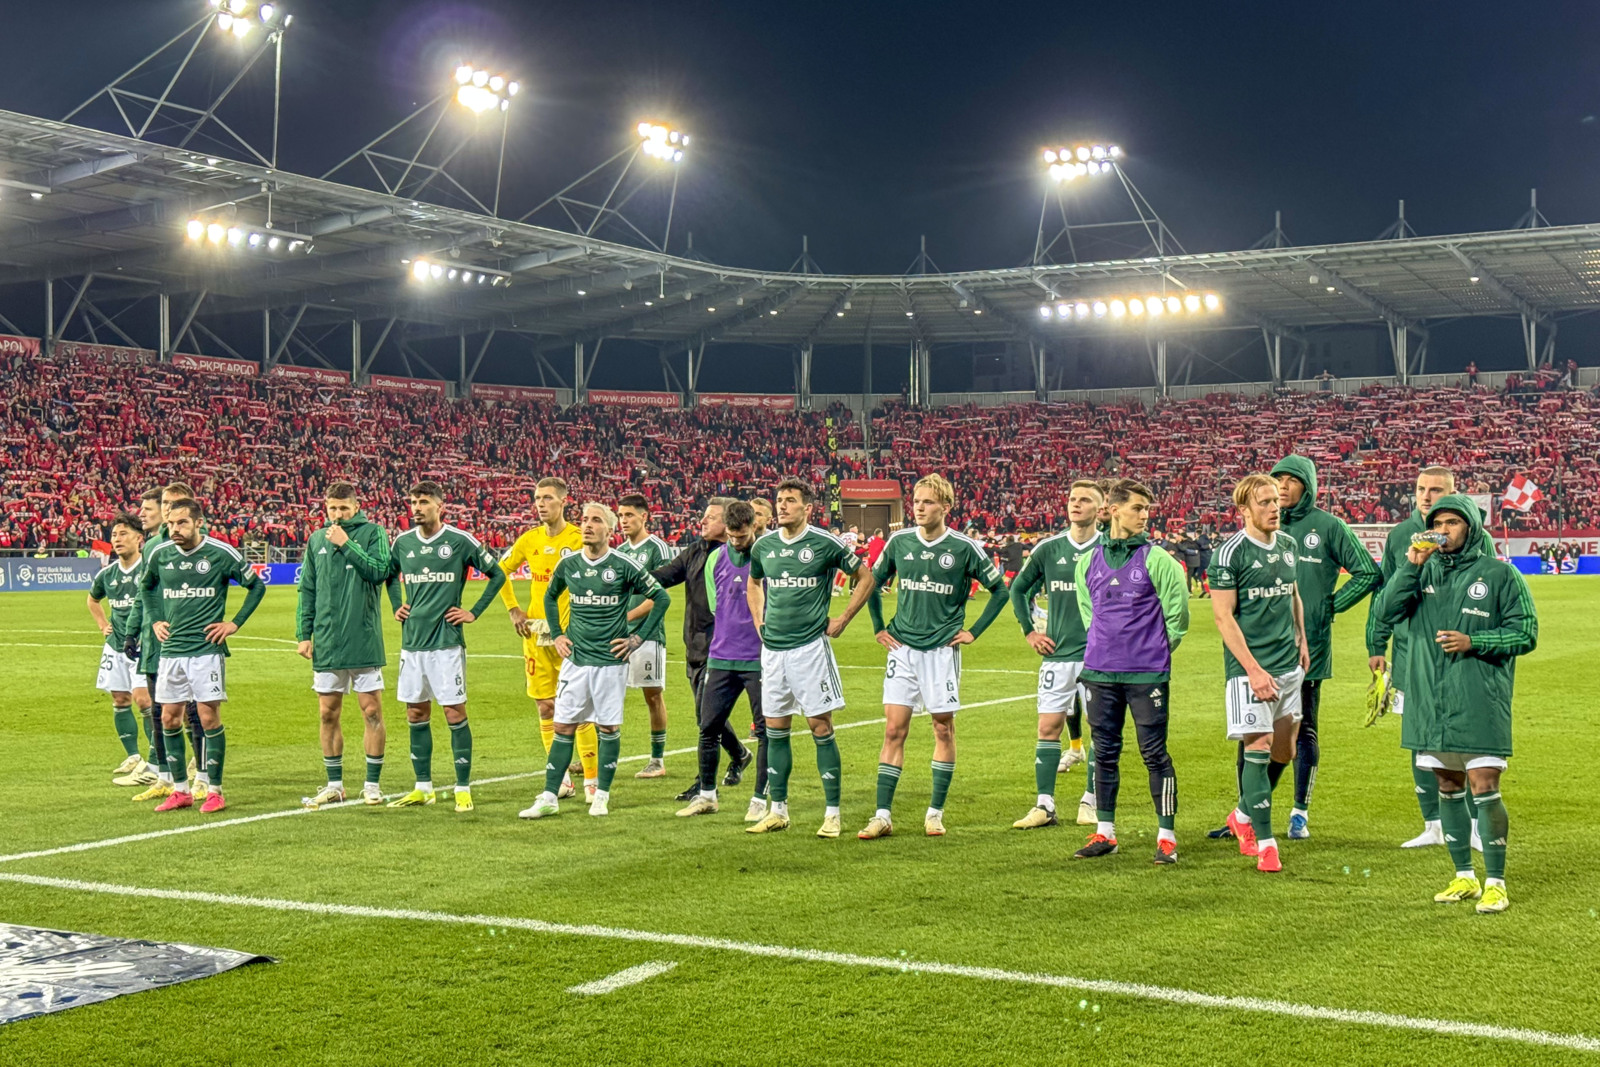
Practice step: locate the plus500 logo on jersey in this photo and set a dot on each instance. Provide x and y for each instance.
(793, 583)
(600, 600)
(197, 592)
(430, 576)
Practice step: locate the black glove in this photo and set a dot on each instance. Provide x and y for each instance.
(130, 648)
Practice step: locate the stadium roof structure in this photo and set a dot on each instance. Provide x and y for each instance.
(107, 213)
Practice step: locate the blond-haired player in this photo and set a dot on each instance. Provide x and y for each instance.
(934, 566)
(541, 548)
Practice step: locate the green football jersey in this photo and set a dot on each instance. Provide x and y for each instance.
(1264, 578)
(1052, 569)
(934, 579)
(149, 647)
(799, 583)
(433, 571)
(600, 592)
(649, 554)
(189, 591)
(118, 586)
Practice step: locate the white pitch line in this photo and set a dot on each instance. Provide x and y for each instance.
(632, 976)
(190, 828)
(1105, 987)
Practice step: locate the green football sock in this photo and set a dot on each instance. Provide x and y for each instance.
(1492, 824)
(148, 717)
(780, 762)
(1427, 786)
(177, 764)
(829, 767)
(127, 729)
(1257, 785)
(610, 752)
(461, 752)
(556, 762)
(942, 773)
(334, 766)
(422, 750)
(216, 753)
(1046, 758)
(888, 778)
(658, 744)
(374, 769)
(1456, 821)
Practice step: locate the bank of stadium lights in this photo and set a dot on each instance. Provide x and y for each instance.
(433, 272)
(240, 17)
(1080, 161)
(662, 142)
(1131, 308)
(263, 239)
(479, 90)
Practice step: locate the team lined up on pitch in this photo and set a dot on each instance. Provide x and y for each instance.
(757, 621)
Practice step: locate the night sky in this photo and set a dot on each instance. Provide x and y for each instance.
(867, 125)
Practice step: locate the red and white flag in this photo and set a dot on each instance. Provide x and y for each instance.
(1521, 493)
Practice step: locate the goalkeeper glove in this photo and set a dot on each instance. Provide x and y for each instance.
(1380, 697)
(130, 647)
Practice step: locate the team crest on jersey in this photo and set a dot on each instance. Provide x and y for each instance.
(1288, 557)
(608, 575)
(806, 555)
(444, 551)
(1138, 575)
(947, 561)
(565, 552)
(1478, 590)
(1311, 540)
(202, 567)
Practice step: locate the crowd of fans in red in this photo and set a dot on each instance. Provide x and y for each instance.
(82, 438)
(1009, 464)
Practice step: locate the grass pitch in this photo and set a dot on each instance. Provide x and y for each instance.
(787, 948)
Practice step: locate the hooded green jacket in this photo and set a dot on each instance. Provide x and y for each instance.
(1394, 551)
(1459, 702)
(1326, 546)
(340, 597)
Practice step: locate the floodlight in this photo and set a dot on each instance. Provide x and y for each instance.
(241, 28)
(196, 229)
(662, 142)
(450, 274)
(274, 243)
(513, 88)
(419, 270)
(1049, 155)
(1174, 305)
(1191, 303)
(1081, 310)
(216, 232)
(435, 272)
(1136, 306)
(1212, 302)
(1083, 152)
(1154, 306)
(497, 83)
(463, 74)
(480, 78)
(235, 235)
(266, 11)
(481, 91)
(1118, 309)
(224, 22)
(254, 240)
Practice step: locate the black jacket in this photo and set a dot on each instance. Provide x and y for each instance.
(688, 569)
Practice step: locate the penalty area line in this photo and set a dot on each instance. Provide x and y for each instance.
(1135, 990)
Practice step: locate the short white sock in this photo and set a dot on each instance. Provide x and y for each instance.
(1466, 874)
(1501, 882)
(165, 776)
(1271, 842)
(709, 794)
(1300, 812)
(1432, 824)
(336, 783)
(1106, 829)
(831, 811)
(1242, 815)
(780, 807)
(1166, 835)
(202, 778)
(1087, 798)
(603, 795)
(934, 813)
(1046, 801)
(425, 787)
(591, 783)
(883, 813)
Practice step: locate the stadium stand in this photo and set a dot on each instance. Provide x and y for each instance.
(83, 436)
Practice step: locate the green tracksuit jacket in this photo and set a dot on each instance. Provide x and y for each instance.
(341, 596)
(1460, 702)
(1326, 546)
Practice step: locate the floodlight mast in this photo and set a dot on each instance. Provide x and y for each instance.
(661, 145)
(475, 89)
(1079, 165)
(234, 21)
